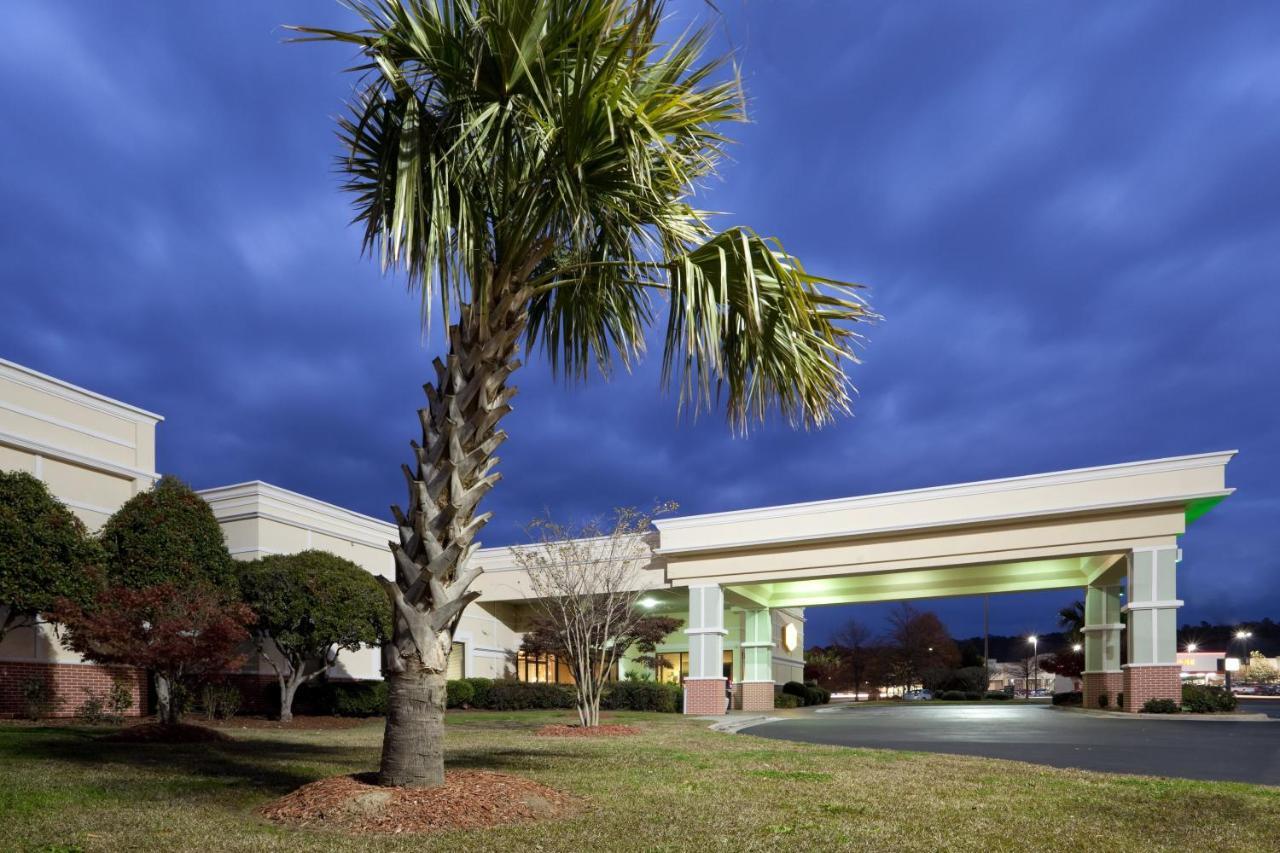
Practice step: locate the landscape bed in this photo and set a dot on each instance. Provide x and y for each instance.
(674, 786)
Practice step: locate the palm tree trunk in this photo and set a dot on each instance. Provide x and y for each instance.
(453, 471)
(413, 742)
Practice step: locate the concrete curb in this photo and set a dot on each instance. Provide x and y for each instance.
(733, 725)
(1198, 718)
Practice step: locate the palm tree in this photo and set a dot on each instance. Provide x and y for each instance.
(1071, 620)
(529, 165)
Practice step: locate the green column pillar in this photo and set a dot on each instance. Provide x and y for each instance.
(704, 687)
(757, 646)
(1153, 671)
(757, 660)
(1153, 607)
(1102, 676)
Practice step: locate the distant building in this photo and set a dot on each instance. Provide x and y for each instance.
(1021, 676)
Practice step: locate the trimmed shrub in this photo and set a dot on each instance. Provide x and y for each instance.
(1070, 697)
(642, 696)
(38, 698)
(795, 688)
(220, 701)
(998, 695)
(952, 696)
(93, 710)
(1206, 699)
(481, 688)
(786, 700)
(969, 679)
(510, 695)
(458, 693)
(338, 699)
(361, 699)
(1120, 700)
(1104, 699)
(1160, 706)
(972, 695)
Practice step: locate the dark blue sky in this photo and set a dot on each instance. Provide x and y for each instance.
(1069, 215)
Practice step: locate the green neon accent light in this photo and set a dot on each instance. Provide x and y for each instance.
(1200, 506)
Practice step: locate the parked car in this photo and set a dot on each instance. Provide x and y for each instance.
(918, 695)
(1244, 689)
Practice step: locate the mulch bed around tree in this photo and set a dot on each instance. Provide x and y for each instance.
(469, 799)
(160, 733)
(608, 730)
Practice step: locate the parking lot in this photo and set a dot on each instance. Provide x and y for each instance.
(1187, 748)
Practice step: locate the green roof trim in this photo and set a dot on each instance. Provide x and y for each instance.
(1199, 506)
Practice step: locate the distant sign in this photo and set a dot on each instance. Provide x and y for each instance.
(1228, 664)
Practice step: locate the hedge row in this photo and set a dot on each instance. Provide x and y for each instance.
(369, 698)
(808, 694)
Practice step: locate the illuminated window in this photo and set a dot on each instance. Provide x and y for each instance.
(673, 667)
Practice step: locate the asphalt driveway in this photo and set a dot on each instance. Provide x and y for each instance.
(1192, 749)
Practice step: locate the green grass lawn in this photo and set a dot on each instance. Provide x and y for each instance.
(678, 786)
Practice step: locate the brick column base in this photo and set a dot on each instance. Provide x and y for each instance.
(1142, 683)
(1098, 683)
(757, 695)
(704, 696)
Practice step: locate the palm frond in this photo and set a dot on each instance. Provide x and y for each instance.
(550, 148)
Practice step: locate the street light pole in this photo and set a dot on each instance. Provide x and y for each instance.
(986, 651)
(1243, 636)
(1035, 661)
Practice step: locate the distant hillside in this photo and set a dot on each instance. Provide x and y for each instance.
(1013, 648)
(1217, 638)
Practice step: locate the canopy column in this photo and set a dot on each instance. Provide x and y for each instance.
(704, 687)
(1103, 629)
(757, 660)
(1153, 671)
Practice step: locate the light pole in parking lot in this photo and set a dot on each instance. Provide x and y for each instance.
(1243, 636)
(1035, 661)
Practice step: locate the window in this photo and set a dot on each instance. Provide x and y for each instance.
(536, 668)
(457, 661)
(673, 667)
(546, 668)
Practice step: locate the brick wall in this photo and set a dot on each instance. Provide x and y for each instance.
(259, 693)
(704, 696)
(1097, 683)
(757, 696)
(1142, 683)
(69, 684)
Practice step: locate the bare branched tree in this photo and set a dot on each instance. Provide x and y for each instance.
(587, 583)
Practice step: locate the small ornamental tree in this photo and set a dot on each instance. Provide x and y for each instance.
(1259, 670)
(649, 633)
(587, 583)
(168, 536)
(180, 634)
(1068, 664)
(309, 606)
(45, 552)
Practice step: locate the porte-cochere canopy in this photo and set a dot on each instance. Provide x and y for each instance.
(1093, 528)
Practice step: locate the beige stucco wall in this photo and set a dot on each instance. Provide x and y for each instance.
(259, 519)
(1031, 532)
(91, 451)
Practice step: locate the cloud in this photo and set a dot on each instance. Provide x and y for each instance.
(1068, 217)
